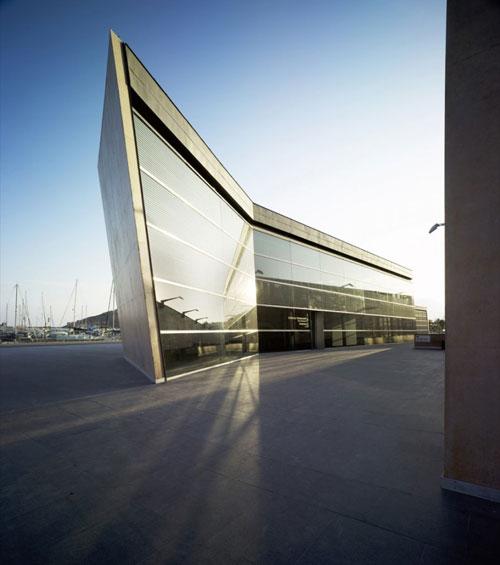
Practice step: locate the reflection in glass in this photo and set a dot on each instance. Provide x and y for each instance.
(302, 255)
(282, 341)
(190, 351)
(272, 246)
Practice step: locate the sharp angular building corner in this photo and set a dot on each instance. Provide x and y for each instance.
(203, 275)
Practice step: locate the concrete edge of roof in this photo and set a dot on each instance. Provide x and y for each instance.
(275, 220)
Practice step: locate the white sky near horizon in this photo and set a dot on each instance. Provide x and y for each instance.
(330, 112)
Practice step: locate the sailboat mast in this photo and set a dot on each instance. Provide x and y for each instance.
(43, 313)
(74, 305)
(109, 304)
(28, 319)
(15, 308)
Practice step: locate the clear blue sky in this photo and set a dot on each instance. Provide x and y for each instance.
(328, 111)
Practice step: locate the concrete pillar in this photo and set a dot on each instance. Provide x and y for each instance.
(472, 198)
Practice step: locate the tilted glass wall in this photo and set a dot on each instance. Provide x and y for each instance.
(202, 258)
(361, 305)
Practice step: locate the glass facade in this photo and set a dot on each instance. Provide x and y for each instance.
(422, 322)
(202, 260)
(224, 289)
(299, 286)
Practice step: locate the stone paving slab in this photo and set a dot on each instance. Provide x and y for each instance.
(304, 457)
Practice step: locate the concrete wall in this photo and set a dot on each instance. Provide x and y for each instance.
(125, 223)
(472, 178)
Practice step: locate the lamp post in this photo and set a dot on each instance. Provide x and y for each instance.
(435, 227)
(162, 302)
(187, 312)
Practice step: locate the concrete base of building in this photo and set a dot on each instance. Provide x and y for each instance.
(471, 489)
(140, 369)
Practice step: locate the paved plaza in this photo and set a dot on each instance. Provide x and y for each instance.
(305, 457)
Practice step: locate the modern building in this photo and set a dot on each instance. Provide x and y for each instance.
(421, 320)
(203, 275)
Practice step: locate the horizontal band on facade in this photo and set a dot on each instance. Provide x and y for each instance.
(279, 281)
(310, 309)
(371, 331)
(172, 332)
(284, 330)
(168, 332)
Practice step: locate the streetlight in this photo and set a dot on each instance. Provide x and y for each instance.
(435, 227)
(162, 302)
(187, 311)
(204, 318)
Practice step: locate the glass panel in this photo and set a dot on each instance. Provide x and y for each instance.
(331, 281)
(283, 341)
(184, 309)
(274, 293)
(176, 262)
(332, 264)
(272, 269)
(161, 161)
(304, 276)
(235, 226)
(272, 246)
(239, 316)
(274, 318)
(306, 256)
(190, 351)
(334, 302)
(171, 215)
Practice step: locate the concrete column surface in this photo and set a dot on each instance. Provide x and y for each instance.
(472, 198)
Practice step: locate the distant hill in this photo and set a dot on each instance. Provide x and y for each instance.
(103, 320)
